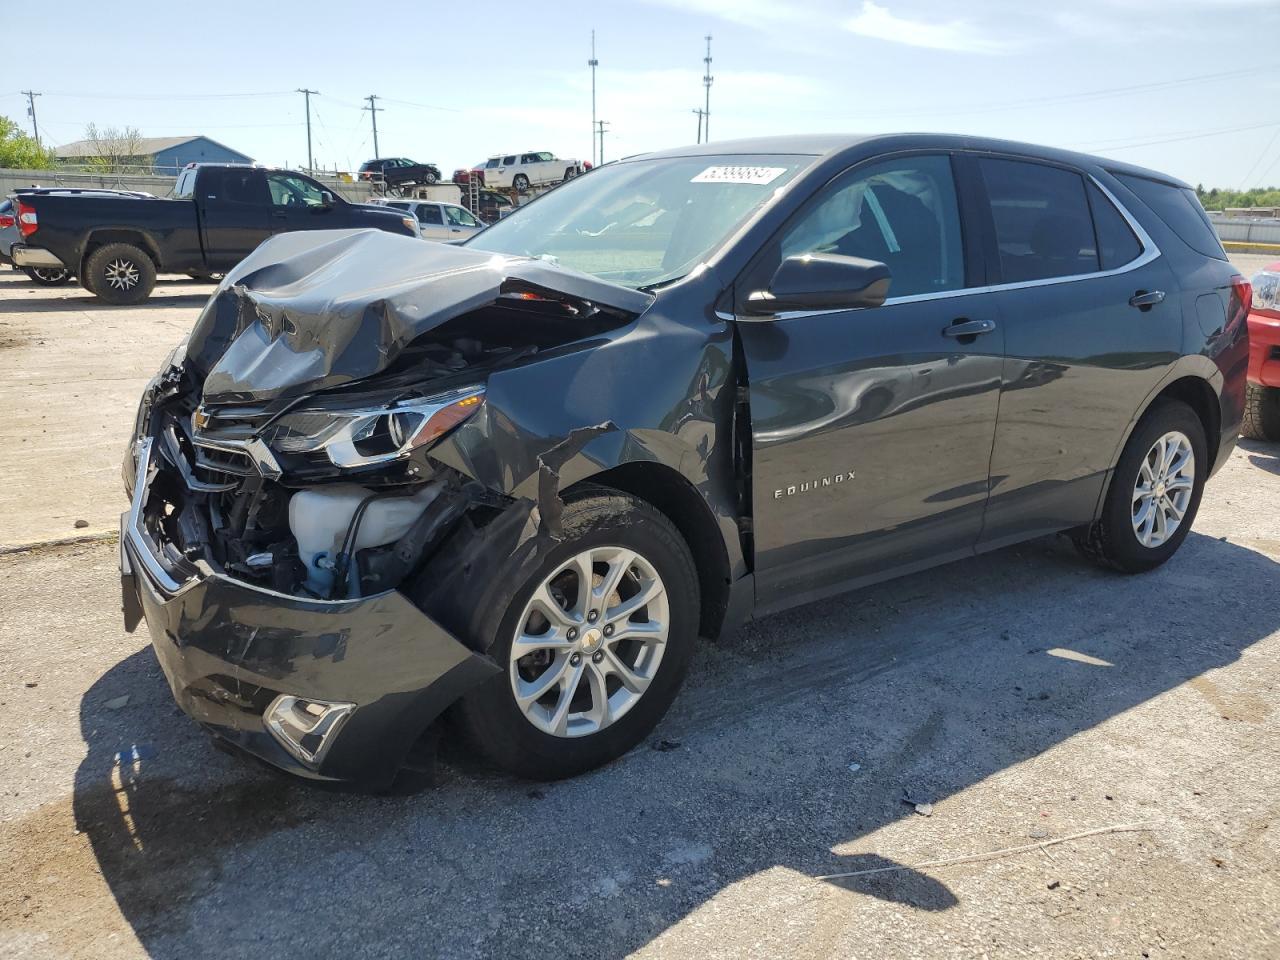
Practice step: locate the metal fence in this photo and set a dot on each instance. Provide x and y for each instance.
(1240, 230)
(11, 180)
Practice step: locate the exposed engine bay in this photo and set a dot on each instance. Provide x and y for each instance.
(299, 425)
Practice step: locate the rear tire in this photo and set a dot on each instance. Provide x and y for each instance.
(1261, 413)
(120, 274)
(624, 535)
(49, 277)
(521, 183)
(1137, 531)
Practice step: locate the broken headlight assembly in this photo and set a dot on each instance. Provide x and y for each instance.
(358, 438)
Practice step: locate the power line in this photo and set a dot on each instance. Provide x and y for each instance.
(421, 106)
(31, 111)
(1265, 151)
(593, 63)
(1190, 136)
(306, 94)
(707, 80)
(600, 125)
(373, 109)
(189, 96)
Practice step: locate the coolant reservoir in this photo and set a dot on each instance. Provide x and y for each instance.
(319, 520)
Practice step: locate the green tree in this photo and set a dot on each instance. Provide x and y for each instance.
(1221, 199)
(20, 152)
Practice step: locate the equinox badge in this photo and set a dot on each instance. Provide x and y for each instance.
(810, 485)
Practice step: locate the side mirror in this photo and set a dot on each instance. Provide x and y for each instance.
(823, 281)
(327, 197)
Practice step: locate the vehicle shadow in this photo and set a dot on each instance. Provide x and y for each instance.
(932, 683)
(1265, 456)
(19, 293)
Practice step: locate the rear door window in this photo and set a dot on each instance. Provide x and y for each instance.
(509, 161)
(900, 212)
(429, 213)
(1117, 244)
(1042, 221)
(1181, 211)
(234, 185)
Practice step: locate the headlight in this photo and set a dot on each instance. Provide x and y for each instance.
(357, 438)
(1266, 290)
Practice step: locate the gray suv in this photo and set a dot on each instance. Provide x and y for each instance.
(517, 478)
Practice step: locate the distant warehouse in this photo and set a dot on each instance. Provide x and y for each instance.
(165, 155)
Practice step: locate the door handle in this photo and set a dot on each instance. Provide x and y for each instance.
(968, 328)
(1146, 299)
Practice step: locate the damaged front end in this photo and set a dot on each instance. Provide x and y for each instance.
(287, 501)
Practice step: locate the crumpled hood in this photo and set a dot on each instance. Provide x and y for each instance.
(311, 310)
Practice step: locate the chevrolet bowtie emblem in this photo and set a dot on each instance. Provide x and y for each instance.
(808, 486)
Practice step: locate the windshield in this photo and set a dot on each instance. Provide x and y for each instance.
(642, 222)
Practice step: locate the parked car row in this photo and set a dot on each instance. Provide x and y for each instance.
(521, 171)
(398, 172)
(115, 243)
(438, 221)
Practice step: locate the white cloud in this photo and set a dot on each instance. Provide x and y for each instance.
(960, 36)
(751, 13)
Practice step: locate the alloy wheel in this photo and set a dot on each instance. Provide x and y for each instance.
(1163, 489)
(589, 642)
(122, 274)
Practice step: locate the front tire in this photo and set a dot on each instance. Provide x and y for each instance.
(1154, 493)
(587, 672)
(1261, 413)
(120, 274)
(49, 277)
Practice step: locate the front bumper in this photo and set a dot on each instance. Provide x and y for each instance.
(25, 256)
(229, 649)
(1264, 349)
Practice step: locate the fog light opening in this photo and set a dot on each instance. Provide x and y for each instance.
(306, 728)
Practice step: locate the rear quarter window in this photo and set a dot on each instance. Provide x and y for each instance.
(1181, 212)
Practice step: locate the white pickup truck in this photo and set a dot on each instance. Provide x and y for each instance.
(525, 170)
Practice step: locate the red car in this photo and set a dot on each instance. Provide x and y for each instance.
(1262, 406)
(464, 175)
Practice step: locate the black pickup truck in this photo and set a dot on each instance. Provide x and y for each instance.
(217, 215)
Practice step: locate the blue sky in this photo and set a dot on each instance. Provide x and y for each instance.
(1116, 77)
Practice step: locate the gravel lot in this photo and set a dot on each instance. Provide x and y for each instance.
(1025, 695)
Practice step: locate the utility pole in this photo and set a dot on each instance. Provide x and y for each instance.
(31, 112)
(600, 125)
(700, 112)
(706, 82)
(373, 109)
(593, 63)
(307, 95)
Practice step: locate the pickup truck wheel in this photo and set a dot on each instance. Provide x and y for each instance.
(594, 637)
(1154, 493)
(570, 173)
(120, 273)
(521, 183)
(1261, 413)
(49, 277)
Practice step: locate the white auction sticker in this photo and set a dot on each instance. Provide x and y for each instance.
(758, 175)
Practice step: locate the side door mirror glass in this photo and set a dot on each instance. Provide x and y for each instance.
(823, 281)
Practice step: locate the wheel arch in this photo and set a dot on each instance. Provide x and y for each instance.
(665, 489)
(1199, 387)
(104, 235)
